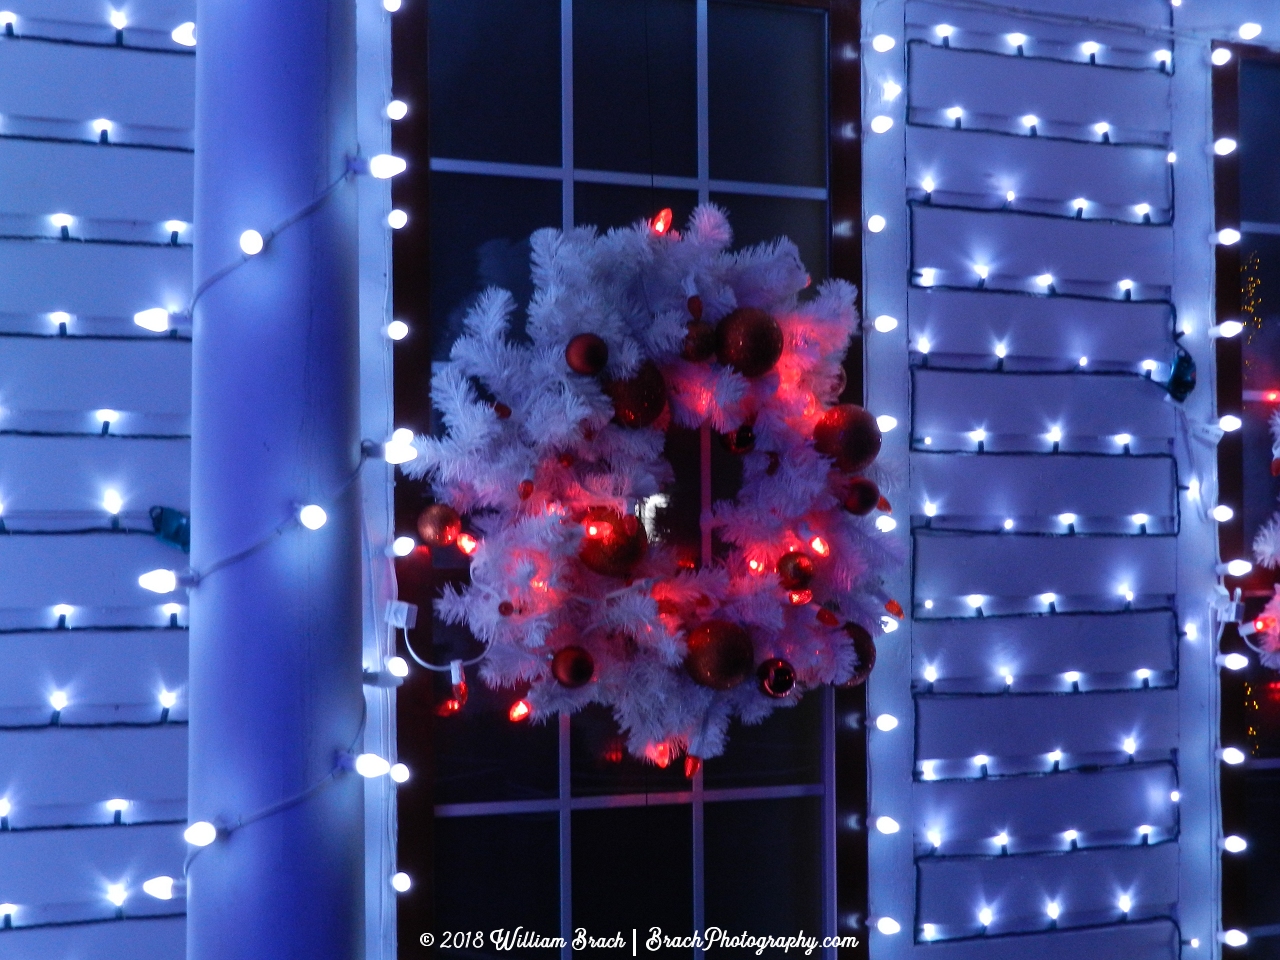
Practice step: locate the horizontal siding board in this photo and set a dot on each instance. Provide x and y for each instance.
(65, 867)
(1033, 810)
(1061, 328)
(158, 939)
(83, 180)
(71, 82)
(1060, 92)
(1037, 169)
(92, 765)
(1018, 245)
(1045, 646)
(1087, 884)
(1014, 726)
(91, 570)
(1031, 485)
(66, 373)
(89, 666)
(43, 474)
(92, 279)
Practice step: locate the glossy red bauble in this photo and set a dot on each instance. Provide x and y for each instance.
(777, 678)
(865, 649)
(619, 545)
(639, 401)
(849, 435)
(720, 654)
(573, 667)
(750, 341)
(860, 496)
(795, 570)
(439, 525)
(587, 354)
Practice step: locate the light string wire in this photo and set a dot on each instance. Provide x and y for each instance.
(226, 829)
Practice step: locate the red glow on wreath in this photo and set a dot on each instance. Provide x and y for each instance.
(755, 566)
(467, 543)
(1264, 624)
(1271, 396)
(800, 597)
(520, 710)
(658, 753)
(540, 585)
(448, 708)
(599, 529)
(613, 752)
(660, 224)
(820, 547)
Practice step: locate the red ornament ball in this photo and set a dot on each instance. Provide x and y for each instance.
(586, 354)
(639, 401)
(795, 570)
(849, 435)
(506, 608)
(573, 667)
(618, 546)
(720, 654)
(439, 525)
(777, 678)
(502, 410)
(865, 649)
(699, 341)
(860, 496)
(739, 441)
(695, 307)
(750, 341)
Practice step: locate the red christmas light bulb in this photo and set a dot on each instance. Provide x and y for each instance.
(895, 608)
(692, 765)
(820, 547)
(661, 222)
(520, 710)
(467, 543)
(800, 597)
(827, 618)
(448, 708)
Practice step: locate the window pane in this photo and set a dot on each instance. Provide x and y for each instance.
(764, 866)
(494, 80)
(494, 872)
(768, 93)
(785, 748)
(1259, 131)
(480, 230)
(600, 763)
(633, 868)
(761, 219)
(635, 86)
(606, 205)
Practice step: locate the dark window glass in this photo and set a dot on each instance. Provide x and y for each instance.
(764, 866)
(635, 86)
(768, 105)
(480, 229)
(761, 219)
(785, 749)
(494, 80)
(600, 763)
(606, 205)
(496, 872)
(633, 867)
(1259, 133)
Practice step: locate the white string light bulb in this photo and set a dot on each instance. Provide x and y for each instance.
(1230, 423)
(886, 422)
(184, 34)
(176, 226)
(397, 219)
(168, 699)
(159, 581)
(117, 806)
(159, 887)
(935, 838)
(982, 270)
(1220, 57)
(1045, 280)
(1234, 661)
(888, 926)
(1233, 756)
(955, 113)
(403, 546)
(1140, 518)
(876, 223)
(885, 323)
(61, 220)
(945, 30)
(399, 772)
(1053, 910)
(1163, 56)
(6, 807)
(400, 448)
(1222, 513)
(931, 674)
(102, 125)
(8, 18)
(1235, 938)
(887, 825)
(117, 893)
(890, 90)
(1016, 39)
(1010, 196)
(251, 243)
(930, 509)
(1125, 285)
(1071, 836)
(1130, 745)
(397, 330)
(1030, 120)
(200, 834)
(1090, 48)
(370, 765)
(1228, 236)
(155, 319)
(1234, 844)
(886, 524)
(1101, 127)
(400, 882)
(112, 502)
(882, 43)
(886, 722)
(1228, 328)
(107, 416)
(1008, 523)
(118, 19)
(985, 916)
(391, 6)
(1125, 903)
(1249, 31)
(397, 666)
(384, 166)
(312, 516)
(881, 124)
(397, 110)
(1224, 146)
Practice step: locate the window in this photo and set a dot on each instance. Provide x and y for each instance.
(529, 113)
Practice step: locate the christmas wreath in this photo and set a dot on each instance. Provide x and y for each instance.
(653, 368)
